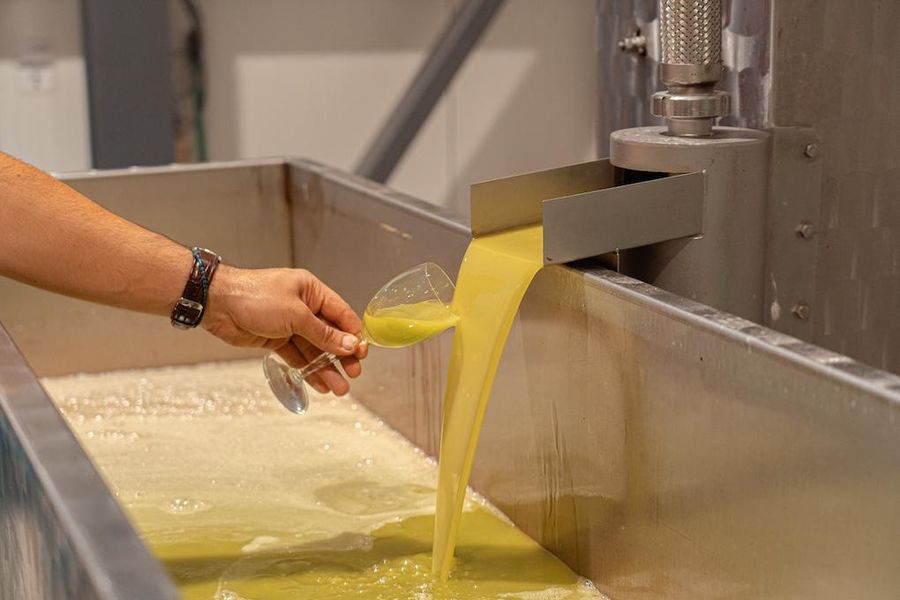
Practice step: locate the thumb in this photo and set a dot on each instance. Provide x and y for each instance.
(321, 334)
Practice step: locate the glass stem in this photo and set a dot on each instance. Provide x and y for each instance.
(320, 362)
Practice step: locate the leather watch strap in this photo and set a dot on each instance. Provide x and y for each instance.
(189, 309)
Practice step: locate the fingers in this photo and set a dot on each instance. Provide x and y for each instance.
(297, 358)
(351, 366)
(321, 334)
(335, 381)
(328, 378)
(334, 308)
(292, 356)
(323, 321)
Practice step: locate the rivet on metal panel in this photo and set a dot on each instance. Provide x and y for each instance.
(801, 311)
(805, 230)
(811, 151)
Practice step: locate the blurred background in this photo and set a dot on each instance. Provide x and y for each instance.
(100, 84)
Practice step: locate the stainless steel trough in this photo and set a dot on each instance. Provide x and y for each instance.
(660, 447)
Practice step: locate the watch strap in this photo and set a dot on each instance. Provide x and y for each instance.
(189, 309)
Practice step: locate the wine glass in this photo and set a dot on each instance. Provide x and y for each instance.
(410, 308)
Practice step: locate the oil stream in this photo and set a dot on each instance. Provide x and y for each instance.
(495, 274)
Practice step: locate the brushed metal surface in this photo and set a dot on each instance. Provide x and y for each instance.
(792, 223)
(335, 239)
(624, 216)
(587, 210)
(835, 71)
(724, 267)
(671, 451)
(62, 534)
(517, 200)
(627, 80)
(662, 448)
(829, 66)
(238, 209)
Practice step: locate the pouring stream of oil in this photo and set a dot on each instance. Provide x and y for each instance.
(496, 271)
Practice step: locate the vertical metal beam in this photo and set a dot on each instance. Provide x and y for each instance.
(126, 49)
(451, 49)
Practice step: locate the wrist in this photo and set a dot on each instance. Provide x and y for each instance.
(224, 291)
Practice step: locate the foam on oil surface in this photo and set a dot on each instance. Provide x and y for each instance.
(241, 499)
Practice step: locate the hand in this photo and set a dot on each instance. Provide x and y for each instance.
(290, 312)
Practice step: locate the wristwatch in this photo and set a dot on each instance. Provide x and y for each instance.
(188, 311)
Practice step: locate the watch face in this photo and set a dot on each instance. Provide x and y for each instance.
(187, 313)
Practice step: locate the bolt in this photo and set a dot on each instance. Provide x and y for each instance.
(801, 311)
(805, 230)
(811, 151)
(636, 44)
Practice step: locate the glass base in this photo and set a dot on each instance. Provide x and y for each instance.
(290, 391)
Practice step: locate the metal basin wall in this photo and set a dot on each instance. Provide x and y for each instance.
(62, 534)
(661, 448)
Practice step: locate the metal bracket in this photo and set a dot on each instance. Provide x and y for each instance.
(587, 210)
(793, 228)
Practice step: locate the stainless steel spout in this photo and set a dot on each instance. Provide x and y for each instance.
(590, 209)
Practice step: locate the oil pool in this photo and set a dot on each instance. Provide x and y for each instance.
(242, 502)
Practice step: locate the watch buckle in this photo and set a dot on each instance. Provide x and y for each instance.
(188, 316)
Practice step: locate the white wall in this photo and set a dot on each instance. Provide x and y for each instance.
(43, 88)
(317, 78)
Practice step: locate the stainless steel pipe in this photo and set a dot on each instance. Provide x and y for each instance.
(690, 64)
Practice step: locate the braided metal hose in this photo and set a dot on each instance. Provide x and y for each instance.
(690, 32)
(690, 64)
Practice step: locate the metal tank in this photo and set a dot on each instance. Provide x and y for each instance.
(655, 425)
(661, 447)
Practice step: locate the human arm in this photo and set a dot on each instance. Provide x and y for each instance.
(55, 238)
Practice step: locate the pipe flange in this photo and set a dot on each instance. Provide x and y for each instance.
(705, 105)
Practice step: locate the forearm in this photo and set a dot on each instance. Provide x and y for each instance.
(54, 238)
